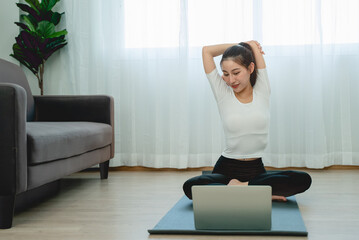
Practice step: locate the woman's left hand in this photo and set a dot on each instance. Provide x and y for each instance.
(254, 44)
(279, 198)
(258, 54)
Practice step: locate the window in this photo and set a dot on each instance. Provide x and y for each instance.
(169, 23)
(300, 22)
(340, 21)
(218, 21)
(289, 22)
(152, 24)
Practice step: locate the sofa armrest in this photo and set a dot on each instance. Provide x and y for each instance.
(13, 155)
(89, 108)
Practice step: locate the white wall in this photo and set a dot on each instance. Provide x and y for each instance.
(9, 13)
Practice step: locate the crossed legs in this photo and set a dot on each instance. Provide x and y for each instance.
(283, 183)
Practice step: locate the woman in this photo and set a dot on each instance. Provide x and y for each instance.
(242, 95)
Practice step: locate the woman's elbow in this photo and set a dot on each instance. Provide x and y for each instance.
(204, 49)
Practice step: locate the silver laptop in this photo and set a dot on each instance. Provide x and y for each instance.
(221, 207)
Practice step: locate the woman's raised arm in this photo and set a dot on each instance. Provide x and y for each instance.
(210, 52)
(258, 54)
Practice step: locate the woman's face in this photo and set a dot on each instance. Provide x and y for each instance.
(236, 76)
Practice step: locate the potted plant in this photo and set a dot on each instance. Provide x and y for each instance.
(38, 39)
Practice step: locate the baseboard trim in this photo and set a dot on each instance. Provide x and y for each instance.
(140, 168)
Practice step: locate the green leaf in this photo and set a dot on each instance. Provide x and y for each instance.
(58, 34)
(53, 50)
(47, 5)
(34, 5)
(45, 29)
(23, 26)
(34, 20)
(55, 18)
(28, 22)
(54, 42)
(17, 51)
(29, 44)
(22, 55)
(30, 10)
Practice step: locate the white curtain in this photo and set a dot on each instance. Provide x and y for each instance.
(147, 55)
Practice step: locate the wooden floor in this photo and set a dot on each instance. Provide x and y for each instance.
(130, 202)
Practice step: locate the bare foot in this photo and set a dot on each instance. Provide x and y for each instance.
(235, 182)
(279, 198)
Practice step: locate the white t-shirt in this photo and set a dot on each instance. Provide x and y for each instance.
(245, 124)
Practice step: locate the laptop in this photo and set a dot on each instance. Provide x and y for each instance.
(222, 207)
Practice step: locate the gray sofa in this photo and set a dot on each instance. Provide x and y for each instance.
(44, 138)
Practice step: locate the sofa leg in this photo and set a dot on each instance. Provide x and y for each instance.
(7, 204)
(104, 169)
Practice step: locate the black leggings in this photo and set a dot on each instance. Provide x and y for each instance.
(283, 183)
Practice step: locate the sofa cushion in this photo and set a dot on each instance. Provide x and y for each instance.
(49, 141)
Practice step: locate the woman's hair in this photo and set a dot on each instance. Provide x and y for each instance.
(242, 54)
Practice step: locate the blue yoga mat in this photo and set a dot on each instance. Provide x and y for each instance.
(286, 220)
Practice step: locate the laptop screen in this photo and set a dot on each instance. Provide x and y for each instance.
(219, 207)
